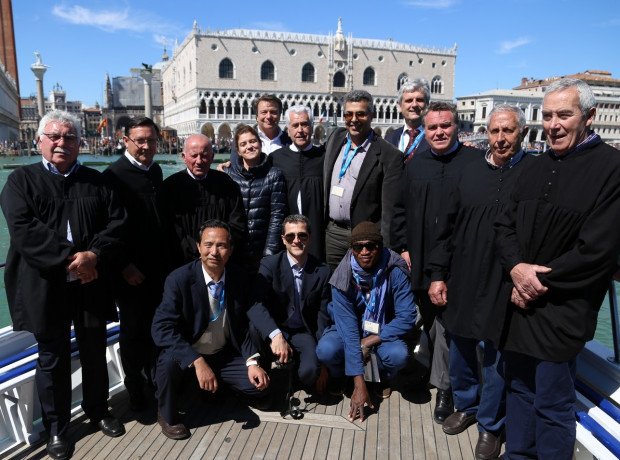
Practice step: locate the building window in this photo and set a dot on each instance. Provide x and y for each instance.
(267, 71)
(402, 78)
(227, 70)
(534, 114)
(307, 73)
(369, 76)
(338, 80)
(436, 85)
(484, 112)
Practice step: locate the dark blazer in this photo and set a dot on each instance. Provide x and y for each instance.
(275, 291)
(394, 139)
(377, 192)
(183, 314)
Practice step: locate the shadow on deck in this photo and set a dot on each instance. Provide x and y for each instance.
(223, 427)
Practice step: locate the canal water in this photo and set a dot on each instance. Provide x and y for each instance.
(171, 164)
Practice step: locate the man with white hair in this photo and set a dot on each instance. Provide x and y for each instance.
(413, 98)
(559, 241)
(302, 165)
(65, 226)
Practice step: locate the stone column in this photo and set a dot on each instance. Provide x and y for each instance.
(147, 76)
(39, 69)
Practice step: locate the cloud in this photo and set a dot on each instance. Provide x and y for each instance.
(109, 21)
(432, 4)
(506, 47)
(162, 39)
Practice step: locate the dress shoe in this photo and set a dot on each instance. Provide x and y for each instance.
(488, 446)
(178, 431)
(111, 426)
(58, 448)
(443, 405)
(458, 422)
(382, 392)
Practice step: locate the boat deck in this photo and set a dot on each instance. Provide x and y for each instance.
(225, 428)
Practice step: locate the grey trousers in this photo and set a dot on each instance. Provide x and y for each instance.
(440, 371)
(337, 242)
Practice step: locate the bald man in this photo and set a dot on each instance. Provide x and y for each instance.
(199, 193)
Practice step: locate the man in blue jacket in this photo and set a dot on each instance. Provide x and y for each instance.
(373, 309)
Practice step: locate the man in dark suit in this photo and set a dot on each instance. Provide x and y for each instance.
(293, 291)
(413, 97)
(65, 227)
(362, 177)
(201, 328)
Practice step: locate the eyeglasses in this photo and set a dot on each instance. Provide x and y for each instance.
(145, 141)
(348, 116)
(65, 137)
(359, 247)
(290, 237)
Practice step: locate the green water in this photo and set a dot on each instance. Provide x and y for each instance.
(603, 330)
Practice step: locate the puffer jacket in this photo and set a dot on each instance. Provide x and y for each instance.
(264, 197)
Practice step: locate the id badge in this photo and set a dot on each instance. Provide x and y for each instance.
(337, 190)
(371, 327)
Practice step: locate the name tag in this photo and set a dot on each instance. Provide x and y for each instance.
(371, 327)
(337, 190)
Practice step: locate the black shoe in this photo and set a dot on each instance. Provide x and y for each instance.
(443, 405)
(58, 448)
(111, 426)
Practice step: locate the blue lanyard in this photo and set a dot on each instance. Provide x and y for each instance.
(215, 315)
(371, 303)
(346, 158)
(416, 142)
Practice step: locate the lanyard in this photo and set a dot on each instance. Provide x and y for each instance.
(346, 158)
(371, 303)
(216, 314)
(415, 144)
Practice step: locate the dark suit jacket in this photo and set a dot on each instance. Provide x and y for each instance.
(394, 139)
(275, 291)
(377, 192)
(183, 314)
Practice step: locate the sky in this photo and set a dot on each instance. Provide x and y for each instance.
(499, 41)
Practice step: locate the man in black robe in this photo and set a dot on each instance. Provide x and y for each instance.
(137, 179)
(65, 225)
(198, 194)
(559, 241)
(429, 177)
(302, 165)
(467, 278)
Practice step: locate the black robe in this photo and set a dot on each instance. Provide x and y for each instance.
(564, 214)
(189, 202)
(37, 205)
(303, 172)
(465, 256)
(427, 181)
(146, 244)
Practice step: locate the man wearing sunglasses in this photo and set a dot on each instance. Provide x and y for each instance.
(373, 309)
(138, 180)
(362, 177)
(292, 292)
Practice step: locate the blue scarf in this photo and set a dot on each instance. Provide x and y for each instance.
(371, 289)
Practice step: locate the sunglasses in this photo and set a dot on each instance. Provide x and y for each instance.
(348, 116)
(358, 247)
(290, 237)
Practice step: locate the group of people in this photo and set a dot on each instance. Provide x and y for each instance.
(325, 259)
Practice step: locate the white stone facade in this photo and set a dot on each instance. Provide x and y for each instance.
(212, 77)
(9, 107)
(474, 109)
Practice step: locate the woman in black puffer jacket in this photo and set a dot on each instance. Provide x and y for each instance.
(264, 196)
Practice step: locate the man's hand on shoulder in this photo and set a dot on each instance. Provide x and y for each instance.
(206, 378)
(222, 167)
(258, 377)
(281, 348)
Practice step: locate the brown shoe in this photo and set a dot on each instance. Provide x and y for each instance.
(382, 392)
(458, 422)
(178, 431)
(488, 446)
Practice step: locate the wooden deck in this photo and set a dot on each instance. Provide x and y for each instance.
(401, 427)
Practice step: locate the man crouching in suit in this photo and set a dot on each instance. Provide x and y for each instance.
(292, 293)
(201, 328)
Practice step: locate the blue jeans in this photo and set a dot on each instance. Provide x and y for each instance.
(391, 356)
(540, 408)
(488, 402)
